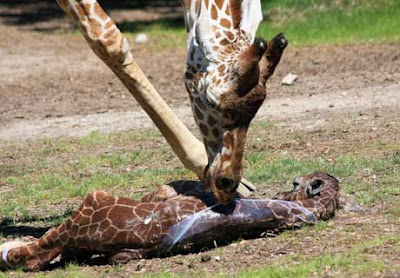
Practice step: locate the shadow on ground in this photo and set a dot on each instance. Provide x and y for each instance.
(28, 12)
(21, 227)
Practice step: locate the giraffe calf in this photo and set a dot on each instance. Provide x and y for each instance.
(181, 216)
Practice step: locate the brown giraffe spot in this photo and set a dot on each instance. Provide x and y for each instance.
(194, 70)
(144, 208)
(199, 102)
(99, 215)
(235, 9)
(73, 231)
(213, 145)
(87, 211)
(198, 114)
(220, 3)
(188, 75)
(118, 211)
(225, 23)
(83, 231)
(192, 55)
(63, 237)
(204, 129)
(218, 83)
(126, 201)
(86, 8)
(99, 11)
(108, 234)
(230, 35)
(93, 228)
(215, 47)
(216, 132)
(211, 120)
(109, 24)
(214, 12)
(104, 224)
(84, 221)
(224, 42)
(221, 68)
(121, 236)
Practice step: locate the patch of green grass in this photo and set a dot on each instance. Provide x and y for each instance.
(346, 263)
(305, 22)
(259, 169)
(49, 175)
(324, 21)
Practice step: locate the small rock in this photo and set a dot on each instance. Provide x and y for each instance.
(205, 258)
(141, 38)
(331, 105)
(217, 258)
(139, 267)
(191, 266)
(289, 79)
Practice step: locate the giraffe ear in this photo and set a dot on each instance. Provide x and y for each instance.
(251, 16)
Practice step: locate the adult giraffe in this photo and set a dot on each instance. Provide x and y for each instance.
(227, 69)
(225, 78)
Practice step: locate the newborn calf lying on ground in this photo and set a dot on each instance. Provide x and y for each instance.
(175, 218)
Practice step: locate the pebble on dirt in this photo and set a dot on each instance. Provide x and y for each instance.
(205, 258)
(141, 38)
(289, 79)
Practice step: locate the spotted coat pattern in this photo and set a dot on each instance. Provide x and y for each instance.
(177, 216)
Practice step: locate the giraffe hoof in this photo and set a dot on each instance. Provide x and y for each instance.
(280, 41)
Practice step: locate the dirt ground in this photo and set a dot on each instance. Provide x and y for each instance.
(51, 85)
(49, 78)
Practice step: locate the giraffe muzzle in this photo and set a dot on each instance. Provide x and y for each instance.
(226, 184)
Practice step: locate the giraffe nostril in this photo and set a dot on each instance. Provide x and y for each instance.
(225, 183)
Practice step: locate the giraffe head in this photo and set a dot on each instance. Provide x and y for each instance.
(306, 187)
(227, 68)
